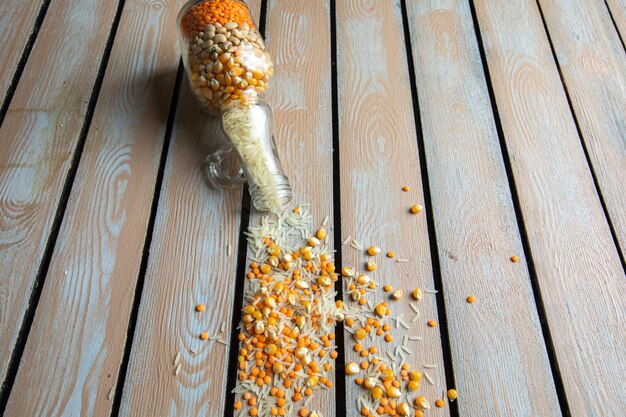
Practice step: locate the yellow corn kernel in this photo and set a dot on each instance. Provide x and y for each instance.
(312, 381)
(321, 234)
(415, 375)
(371, 266)
(373, 251)
(381, 310)
(393, 392)
(416, 208)
(452, 395)
(421, 403)
(417, 294)
(360, 333)
(413, 385)
(387, 375)
(377, 393)
(352, 368)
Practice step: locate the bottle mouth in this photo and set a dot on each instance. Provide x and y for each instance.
(271, 197)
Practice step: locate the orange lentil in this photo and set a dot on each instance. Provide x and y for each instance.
(514, 259)
(439, 403)
(406, 188)
(391, 254)
(432, 323)
(388, 338)
(254, 411)
(204, 336)
(304, 412)
(200, 308)
(387, 288)
(471, 299)
(237, 405)
(252, 401)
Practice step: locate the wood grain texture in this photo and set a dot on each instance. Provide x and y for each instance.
(475, 224)
(16, 25)
(378, 155)
(300, 94)
(618, 10)
(593, 65)
(39, 136)
(578, 268)
(76, 343)
(188, 265)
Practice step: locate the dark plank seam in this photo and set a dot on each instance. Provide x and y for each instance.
(240, 278)
(619, 35)
(38, 285)
(534, 281)
(340, 361)
(143, 266)
(582, 141)
(19, 69)
(432, 234)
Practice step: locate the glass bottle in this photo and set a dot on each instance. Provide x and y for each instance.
(228, 69)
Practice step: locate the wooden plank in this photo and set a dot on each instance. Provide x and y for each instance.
(578, 268)
(593, 64)
(379, 155)
(16, 26)
(618, 10)
(298, 37)
(475, 224)
(40, 132)
(188, 265)
(76, 343)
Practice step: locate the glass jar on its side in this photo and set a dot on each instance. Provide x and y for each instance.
(228, 68)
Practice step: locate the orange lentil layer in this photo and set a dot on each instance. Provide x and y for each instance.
(220, 11)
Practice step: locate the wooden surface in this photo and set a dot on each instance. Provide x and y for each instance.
(21, 21)
(376, 135)
(593, 64)
(303, 109)
(87, 297)
(110, 235)
(188, 216)
(475, 223)
(40, 133)
(618, 11)
(577, 265)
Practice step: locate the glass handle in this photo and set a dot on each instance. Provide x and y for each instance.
(217, 173)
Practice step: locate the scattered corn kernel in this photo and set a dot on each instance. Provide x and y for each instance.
(413, 385)
(371, 266)
(397, 294)
(415, 375)
(432, 323)
(352, 368)
(391, 254)
(417, 294)
(360, 333)
(452, 394)
(421, 402)
(347, 271)
(321, 234)
(416, 208)
(406, 188)
(373, 250)
(369, 383)
(393, 392)
(403, 409)
(377, 393)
